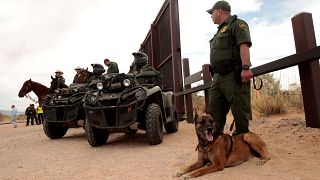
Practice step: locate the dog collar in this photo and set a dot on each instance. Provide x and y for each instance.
(205, 147)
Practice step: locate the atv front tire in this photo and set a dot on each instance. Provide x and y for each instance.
(154, 124)
(96, 137)
(54, 130)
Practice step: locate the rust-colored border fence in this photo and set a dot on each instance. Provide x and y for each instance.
(162, 45)
(307, 58)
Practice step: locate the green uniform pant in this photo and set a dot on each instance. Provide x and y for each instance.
(226, 93)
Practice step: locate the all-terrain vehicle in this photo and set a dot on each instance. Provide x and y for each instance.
(64, 110)
(122, 104)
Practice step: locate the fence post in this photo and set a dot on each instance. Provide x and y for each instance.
(206, 79)
(304, 37)
(176, 56)
(188, 97)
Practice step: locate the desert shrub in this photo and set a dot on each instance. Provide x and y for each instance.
(4, 117)
(21, 117)
(269, 100)
(1, 116)
(198, 102)
(294, 98)
(271, 86)
(264, 104)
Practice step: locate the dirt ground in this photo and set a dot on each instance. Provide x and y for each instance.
(26, 153)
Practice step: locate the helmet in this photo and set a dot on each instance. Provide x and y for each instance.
(140, 58)
(98, 69)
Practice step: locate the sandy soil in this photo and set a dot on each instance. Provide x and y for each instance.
(26, 153)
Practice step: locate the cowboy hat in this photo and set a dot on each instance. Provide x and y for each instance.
(78, 68)
(59, 71)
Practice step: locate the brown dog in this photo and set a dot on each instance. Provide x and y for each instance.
(217, 151)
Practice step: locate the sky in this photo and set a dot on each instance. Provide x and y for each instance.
(37, 37)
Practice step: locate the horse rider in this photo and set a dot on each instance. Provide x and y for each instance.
(60, 79)
(78, 69)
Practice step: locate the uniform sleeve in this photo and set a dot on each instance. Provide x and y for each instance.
(63, 80)
(242, 32)
(115, 68)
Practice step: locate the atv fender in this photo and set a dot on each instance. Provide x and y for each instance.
(155, 96)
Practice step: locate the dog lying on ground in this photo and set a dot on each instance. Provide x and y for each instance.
(217, 151)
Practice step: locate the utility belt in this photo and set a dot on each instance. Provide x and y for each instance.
(225, 67)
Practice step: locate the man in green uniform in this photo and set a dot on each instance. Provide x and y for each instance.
(97, 71)
(112, 66)
(230, 67)
(141, 65)
(31, 114)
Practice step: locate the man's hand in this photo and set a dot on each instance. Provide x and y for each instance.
(246, 75)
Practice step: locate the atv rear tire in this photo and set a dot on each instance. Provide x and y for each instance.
(154, 124)
(54, 130)
(96, 137)
(172, 126)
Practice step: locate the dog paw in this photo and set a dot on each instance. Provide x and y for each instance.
(261, 162)
(185, 177)
(208, 165)
(177, 174)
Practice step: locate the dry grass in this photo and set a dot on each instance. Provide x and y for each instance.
(198, 102)
(5, 118)
(264, 104)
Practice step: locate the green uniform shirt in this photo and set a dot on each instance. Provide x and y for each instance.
(30, 110)
(95, 78)
(113, 68)
(225, 43)
(147, 67)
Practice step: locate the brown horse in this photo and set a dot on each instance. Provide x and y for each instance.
(40, 90)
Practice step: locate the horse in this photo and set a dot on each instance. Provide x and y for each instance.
(40, 90)
(55, 84)
(83, 76)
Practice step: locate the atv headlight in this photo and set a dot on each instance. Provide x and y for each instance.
(140, 94)
(126, 82)
(100, 86)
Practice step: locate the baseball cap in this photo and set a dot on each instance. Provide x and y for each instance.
(223, 5)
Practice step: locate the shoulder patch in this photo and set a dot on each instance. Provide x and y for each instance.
(243, 25)
(222, 30)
